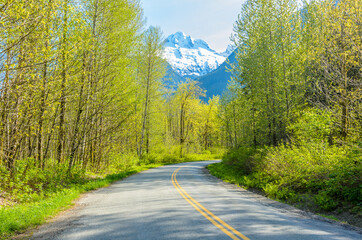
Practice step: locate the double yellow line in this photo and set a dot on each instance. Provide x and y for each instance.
(227, 229)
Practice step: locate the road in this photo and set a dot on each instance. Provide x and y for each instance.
(184, 202)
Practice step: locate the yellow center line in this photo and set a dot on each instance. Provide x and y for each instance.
(211, 214)
(200, 208)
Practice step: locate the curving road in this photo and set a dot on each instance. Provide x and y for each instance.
(184, 202)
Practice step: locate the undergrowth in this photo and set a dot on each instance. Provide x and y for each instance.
(322, 178)
(308, 172)
(329, 183)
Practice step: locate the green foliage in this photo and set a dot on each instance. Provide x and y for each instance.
(271, 190)
(308, 166)
(22, 216)
(243, 158)
(311, 125)
(167, 158)
(226, 172)
(325, 202)
(119, 162)
(329, 173)
(29, 183)
(268, 83)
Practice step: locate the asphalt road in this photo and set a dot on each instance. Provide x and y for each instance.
(184, 202)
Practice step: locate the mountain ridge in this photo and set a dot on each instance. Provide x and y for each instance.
(192, 57)
(214, 80)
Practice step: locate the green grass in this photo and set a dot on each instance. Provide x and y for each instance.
(225, 172)
(17, 219)
(330, 217)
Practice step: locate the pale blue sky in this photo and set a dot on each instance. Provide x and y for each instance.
(210, 20)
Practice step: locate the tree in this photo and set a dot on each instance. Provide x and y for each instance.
(65, 81)
(267, 35)
(152, 69)
(336, 65)
(187, 95)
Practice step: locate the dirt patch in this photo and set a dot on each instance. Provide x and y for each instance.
(346, 216)
(6, 202)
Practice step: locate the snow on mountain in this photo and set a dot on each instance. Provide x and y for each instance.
(190, 57)
(229, 50)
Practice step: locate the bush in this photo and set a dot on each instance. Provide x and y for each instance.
(29, 183)
(325, 202)
(122, 161)
(309, 165)
(244, 158)
(312, 125)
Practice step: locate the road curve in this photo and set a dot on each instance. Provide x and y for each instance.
(182, 201)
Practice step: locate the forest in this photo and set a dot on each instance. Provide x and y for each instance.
(292, 116)
(84, 102)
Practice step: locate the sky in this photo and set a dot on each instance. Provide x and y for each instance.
(209, 20)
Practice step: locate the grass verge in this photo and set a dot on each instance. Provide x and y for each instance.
(15, 220)
(227, 173)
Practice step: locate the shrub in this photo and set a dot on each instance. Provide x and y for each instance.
(325, 202)
(307, 166)
(312, 125)
(244, 158)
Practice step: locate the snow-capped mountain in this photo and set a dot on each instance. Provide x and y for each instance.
(229, 50)
(190, 57)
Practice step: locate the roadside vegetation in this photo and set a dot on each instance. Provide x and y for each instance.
(292, 116)
(29, 208)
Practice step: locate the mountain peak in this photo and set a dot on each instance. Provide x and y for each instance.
(190, 57)
(180, 39)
